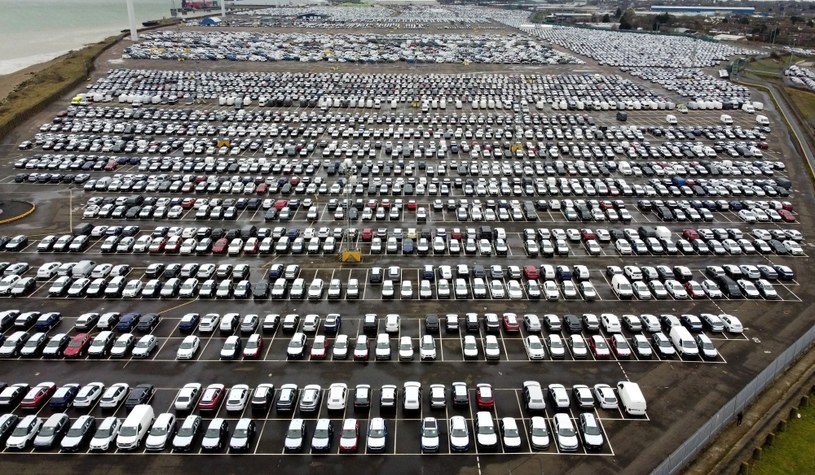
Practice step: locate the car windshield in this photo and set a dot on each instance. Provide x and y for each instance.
(240, 433)
(158, 431)
(486, 430)
(187, 345)
(295, 344)
(459, 432)
(349, 433)
(128, 431)
(213, 432)
(376, 433)
(75, 431)
(104, 432)
(229, 346)
(539, 431)
(591, 429)
(294, 433)
(143, 344)
(430, 430)
(566, 432)
(54, 343)
(21, 431)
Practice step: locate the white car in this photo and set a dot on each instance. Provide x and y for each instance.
(105, 434)
(209, 323)
(459, 434)
(514, 290)
(511, 434)
(337, 394)
(187, 397)
(160, 432)
(145, 346)
(534, 347)
(427, 348)
(188, 348)
(793, 247)
(114, 395)
(87, 396)
(538, 433)
(731, 324)
(491, 348)
(605, 396)
(470, 347)
(237, 397)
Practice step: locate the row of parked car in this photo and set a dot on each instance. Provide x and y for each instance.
(164, 430)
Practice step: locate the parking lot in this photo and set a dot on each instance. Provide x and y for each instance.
(482, 212)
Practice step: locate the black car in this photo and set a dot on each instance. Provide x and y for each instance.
(431, 323)
(139, 395)
(260, 290)
(48, 321)
(572, 323)
(7, 424)
(11, 396)
(148, 322)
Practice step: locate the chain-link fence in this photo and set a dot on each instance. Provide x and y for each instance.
(702, 437)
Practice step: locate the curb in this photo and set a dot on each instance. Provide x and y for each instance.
(19, 216)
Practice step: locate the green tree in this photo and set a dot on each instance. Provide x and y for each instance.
(627, 20)
(618, 13)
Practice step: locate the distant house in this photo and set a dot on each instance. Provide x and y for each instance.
(210, 21)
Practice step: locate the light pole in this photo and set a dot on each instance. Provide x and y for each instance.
(131, 16)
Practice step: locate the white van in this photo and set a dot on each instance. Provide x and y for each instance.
(762, 120)
(631, 398)
(726, 119)
(670, 119)
(135, 427)
(622, 287)
(683, 341)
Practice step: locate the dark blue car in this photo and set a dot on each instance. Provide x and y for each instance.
(48, 321)
(128, 322)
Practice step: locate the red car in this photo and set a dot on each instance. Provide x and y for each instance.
(220, 246)
(212, 397)
(319, 348)
(367, 234)
(599, 347)
(411, 204)
(587, 235)
(173, 245)
(511, 324)
(254, 347)
(787, 216)
(37, 395)
(690, 234)
(262, 189)
(484, 396)
(694, 289)
(78, 345)
(620, 346)
(531, 272)
(188, 203)
(280, 204)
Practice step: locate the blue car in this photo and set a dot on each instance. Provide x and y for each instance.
(128, 322)
(63, 397)
(48, 321)
(189, 323)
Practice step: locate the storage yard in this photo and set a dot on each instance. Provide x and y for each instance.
(574, 247)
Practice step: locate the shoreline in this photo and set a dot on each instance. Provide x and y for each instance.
(9, 82)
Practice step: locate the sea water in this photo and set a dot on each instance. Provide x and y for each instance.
(35, 31)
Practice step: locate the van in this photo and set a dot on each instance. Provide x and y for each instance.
(82, 268)
(670, 119)
(683, 341)
(631, 398)
(726, 119)
(83, 229)
(762, 120)
(663, 233)
(622, 287)
(135, 427)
